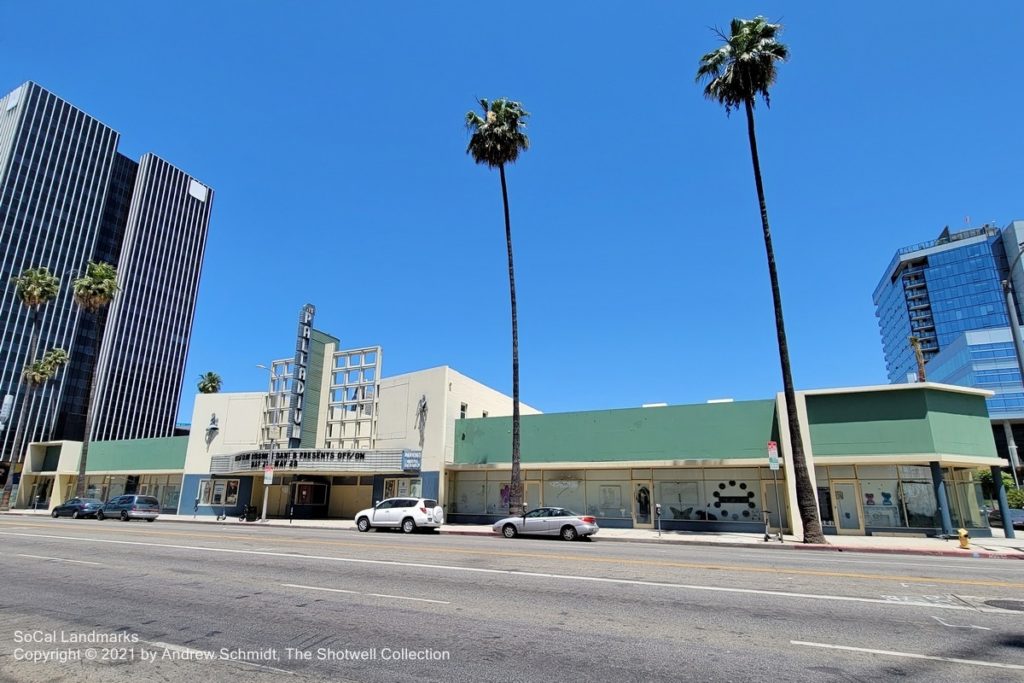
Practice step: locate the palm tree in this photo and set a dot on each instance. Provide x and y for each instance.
(46, 368)
(915, 344)
(742, 69)
(35, 288)
(209, 383)
(93, 292)
(497, 140)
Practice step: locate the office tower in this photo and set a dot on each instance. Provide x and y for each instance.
(948, 293)
(67, 197)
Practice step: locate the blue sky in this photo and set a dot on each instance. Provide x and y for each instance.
(333, 135)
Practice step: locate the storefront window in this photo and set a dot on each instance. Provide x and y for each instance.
(566, 493)
(468, 496)
(966, 503)
(919, 501)
(115, 487)
(497, 497)
(403, 486)
(222, 492)
(881, 506)
(682, 500)
(607, 498)
(733, 500)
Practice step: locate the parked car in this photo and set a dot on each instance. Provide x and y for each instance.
(1016, 517)
(548, 522)
(407, 514)
(78, 508)
(127, 508)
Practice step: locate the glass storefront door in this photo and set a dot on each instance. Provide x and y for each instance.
(643, 505)
(846, 503)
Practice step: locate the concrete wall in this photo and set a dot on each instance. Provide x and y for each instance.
(238, 417)
(703, 432)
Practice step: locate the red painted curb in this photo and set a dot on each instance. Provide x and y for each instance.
(969, 554)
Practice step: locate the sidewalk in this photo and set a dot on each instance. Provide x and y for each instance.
(994, 547)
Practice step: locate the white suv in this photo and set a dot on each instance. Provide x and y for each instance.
(407, 514)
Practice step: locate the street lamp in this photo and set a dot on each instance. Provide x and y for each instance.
(270, 453)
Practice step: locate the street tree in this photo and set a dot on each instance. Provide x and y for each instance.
(35, 288)
(741, 70)
(93, 293)
(497, 139)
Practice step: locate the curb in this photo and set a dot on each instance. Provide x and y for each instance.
(794, 545)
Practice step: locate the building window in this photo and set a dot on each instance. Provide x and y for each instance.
(483, 414)
(222, 492)
(463, 409)
(403, 487)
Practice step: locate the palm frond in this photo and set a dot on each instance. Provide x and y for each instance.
(498, 136)
(209, 383)
(36, 286)
(97, 287)
(745, 66)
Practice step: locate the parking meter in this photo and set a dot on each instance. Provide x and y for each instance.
(657, 509)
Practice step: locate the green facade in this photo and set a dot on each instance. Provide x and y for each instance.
(137, 455)
(902, 422)
(910, 421)
(312, 396)
(720, 431)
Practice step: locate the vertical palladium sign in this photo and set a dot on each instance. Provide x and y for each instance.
(299, 375)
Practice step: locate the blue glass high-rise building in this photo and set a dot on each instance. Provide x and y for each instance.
(948, 293)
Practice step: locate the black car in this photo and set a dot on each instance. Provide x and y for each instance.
(1016, 516)
(77, 508)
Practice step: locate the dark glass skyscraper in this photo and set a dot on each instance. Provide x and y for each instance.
(66, 197)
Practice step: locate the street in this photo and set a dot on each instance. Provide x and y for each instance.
(176, 601)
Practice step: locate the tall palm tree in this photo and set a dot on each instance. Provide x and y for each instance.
(93, 293)
(43, 370)
(35, 288)
(209, 383)
(497, 140)
(742, 69)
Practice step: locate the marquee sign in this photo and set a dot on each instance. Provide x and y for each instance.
(307, 460)
(299, 375)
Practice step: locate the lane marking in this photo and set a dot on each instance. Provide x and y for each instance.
(911, 655)
(375, 595)
(209, 655)
(509, 572)
(598, 560)
(981, 628)
(58, 559)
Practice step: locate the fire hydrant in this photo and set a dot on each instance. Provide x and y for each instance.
(965, 539)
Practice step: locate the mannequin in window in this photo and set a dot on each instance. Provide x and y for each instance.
(643, 504)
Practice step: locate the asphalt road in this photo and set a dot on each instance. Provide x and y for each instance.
(237, 603)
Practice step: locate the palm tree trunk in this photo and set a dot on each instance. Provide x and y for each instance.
(93, 384)
(19, 432)
(515, 494)
(805, 490)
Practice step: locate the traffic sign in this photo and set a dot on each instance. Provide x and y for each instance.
(773, 455)
(268, 475)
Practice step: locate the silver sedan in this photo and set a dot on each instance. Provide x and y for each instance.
(548, 522)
